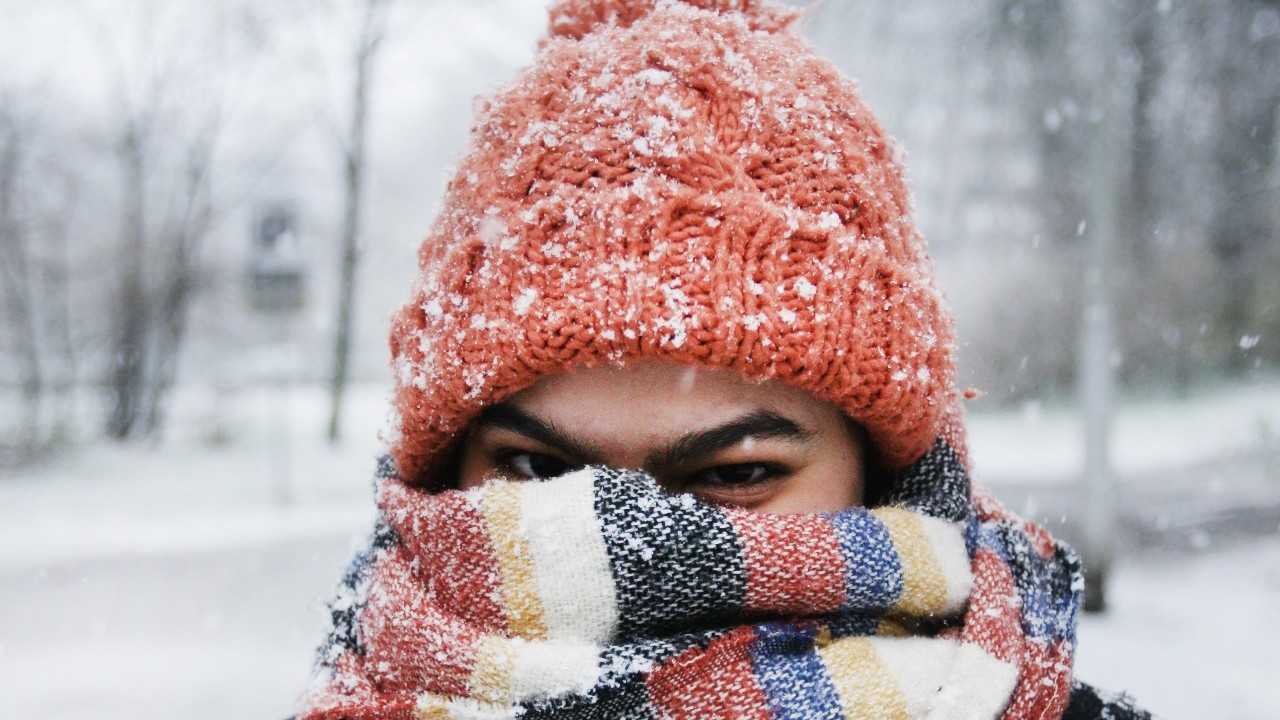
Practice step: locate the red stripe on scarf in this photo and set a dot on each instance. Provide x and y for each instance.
(793, 563)
(717, 683)
(457, 560)
(412, 642)
(993, 619)
(1044, 682)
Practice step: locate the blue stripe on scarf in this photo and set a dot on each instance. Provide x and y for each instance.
(791, 675)
(873, 572)
(1049, 602)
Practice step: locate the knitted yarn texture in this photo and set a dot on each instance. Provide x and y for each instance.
(597, 595)
(682, 180)
(687, 181)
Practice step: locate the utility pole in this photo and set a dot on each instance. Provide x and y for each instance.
(1095, 370)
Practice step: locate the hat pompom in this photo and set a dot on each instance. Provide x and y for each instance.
(576, 19)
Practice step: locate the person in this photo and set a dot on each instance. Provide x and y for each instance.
(676, 431)
(764, 446)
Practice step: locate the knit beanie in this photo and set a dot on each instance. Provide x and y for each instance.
(683, 180)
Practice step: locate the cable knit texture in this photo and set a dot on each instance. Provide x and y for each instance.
(684, 180)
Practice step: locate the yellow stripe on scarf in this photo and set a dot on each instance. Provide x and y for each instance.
(490, 678)
(432, 707)
(501, 508)
(866, 689)
(439, 707)
(924, 587)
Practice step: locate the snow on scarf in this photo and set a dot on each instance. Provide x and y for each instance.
(597, 595)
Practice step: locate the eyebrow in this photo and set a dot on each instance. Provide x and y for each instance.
(699, 444)
(684, 450)
(509, 417)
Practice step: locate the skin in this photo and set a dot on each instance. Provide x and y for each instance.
(764, 446)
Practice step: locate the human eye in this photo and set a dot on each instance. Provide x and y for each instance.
(737, 476)
(529, 465)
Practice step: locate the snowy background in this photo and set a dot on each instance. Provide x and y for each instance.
(173, 514)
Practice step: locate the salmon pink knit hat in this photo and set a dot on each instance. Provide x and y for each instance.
(685, 181)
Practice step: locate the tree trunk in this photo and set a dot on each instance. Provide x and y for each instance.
(180, 284)
(1247, 92)
(60, 320)
(1045, 30)
(15, 264)
(170, 333)
(353, 183)
(1141, 212)
(129, 347)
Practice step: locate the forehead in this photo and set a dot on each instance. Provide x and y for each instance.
(656, 399)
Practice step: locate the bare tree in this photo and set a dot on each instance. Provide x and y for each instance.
(128, 359)
(37, 196)
(1246, 85)
(58, 302)
(165, 163)
(1144, 48)
(353, 171)
(15, 269)
(182, 238)
(1047, 37)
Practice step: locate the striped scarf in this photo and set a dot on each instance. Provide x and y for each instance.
(597, 595)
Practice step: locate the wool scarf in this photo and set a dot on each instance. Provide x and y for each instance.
(596, 594)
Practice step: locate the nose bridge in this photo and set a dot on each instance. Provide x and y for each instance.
(625, 448)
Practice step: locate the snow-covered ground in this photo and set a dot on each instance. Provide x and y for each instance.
(1192, 635)
(235, 471)
(1046, 444)
(188, 578)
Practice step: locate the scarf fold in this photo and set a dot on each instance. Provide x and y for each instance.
(598, 595)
